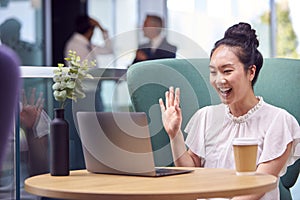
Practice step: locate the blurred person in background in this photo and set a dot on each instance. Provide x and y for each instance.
(158, 47)
(80, 41)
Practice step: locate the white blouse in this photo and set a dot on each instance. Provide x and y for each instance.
(211, 130)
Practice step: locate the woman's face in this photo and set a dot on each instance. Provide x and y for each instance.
(228, 77)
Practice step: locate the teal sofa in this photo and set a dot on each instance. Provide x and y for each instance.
(278, 83)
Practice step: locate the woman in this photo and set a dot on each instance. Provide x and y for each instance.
(234, 66)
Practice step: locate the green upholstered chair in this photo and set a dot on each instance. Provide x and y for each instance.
(148, 81)
(288, 180)
(278, 83)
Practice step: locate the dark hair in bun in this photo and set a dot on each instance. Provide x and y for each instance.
(244, 41)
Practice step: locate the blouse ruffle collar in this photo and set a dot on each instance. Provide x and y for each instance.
(244, 117)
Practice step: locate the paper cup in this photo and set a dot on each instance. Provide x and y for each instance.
(245, 153)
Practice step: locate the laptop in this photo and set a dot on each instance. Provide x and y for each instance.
(119, 143)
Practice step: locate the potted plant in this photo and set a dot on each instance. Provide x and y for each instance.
(67, 85)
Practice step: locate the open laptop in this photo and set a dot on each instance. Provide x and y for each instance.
(119, 143)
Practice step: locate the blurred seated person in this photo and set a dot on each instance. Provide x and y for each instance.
(34, 159)
(158, 47)
(80, 41)
(10, 35)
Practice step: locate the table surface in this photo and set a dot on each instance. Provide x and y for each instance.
(201, 183)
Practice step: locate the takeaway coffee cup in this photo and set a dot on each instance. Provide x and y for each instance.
(245, 153)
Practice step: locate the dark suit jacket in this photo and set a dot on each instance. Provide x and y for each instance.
(164, 50)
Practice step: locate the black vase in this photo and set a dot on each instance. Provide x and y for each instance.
(59, 144)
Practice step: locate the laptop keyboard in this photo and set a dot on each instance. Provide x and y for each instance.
(169, 171)
(162, 171)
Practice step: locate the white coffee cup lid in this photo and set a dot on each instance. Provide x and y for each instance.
(245, 141)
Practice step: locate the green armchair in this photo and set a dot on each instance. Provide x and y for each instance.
(147, 81)
(279, 84)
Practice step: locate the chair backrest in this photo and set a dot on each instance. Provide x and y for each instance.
(9, 87)
(147, 82)
(278, 83)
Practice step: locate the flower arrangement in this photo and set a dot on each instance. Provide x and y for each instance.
(68, 80)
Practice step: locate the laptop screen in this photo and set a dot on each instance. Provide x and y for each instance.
(116, 142)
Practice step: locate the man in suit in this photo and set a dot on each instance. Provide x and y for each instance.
(158, 46)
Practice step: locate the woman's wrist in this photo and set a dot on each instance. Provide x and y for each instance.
(178, 145)
(30, 135)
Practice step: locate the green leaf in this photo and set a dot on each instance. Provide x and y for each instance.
(70, 84)
(89, 76)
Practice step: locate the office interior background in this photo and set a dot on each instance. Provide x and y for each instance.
(43, 26)
(192, 25)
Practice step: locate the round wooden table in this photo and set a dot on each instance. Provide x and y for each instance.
(201, 183)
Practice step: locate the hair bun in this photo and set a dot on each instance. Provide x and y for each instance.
(243, 33)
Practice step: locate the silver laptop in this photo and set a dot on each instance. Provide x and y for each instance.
(119, 143)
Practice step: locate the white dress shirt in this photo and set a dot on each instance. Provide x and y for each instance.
(155, 42)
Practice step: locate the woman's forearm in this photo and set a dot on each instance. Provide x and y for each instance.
(38, 158)
(180, 154)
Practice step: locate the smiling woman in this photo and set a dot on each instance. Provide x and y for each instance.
(234, 66)
(227, 76)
